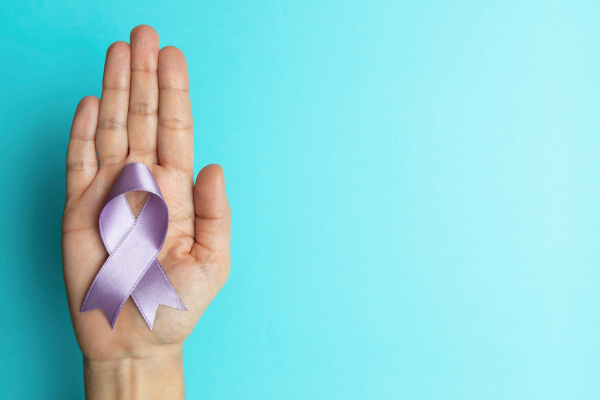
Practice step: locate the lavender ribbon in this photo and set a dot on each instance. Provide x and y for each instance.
(133, 245)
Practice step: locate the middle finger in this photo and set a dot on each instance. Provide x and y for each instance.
(142, 120)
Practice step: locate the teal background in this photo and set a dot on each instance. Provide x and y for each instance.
(415, 189)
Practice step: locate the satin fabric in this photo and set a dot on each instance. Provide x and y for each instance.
(133, 245)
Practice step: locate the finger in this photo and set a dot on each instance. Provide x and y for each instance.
(175, 124)
(213, 215)
(142, 119)
(111, 136)
(82, 164)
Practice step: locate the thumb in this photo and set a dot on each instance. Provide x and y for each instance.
(213, 215)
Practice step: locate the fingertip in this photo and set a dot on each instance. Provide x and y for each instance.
(213, 169)
(143, 31)
(119, 48)
(172, 51)
(172, 57)
(88, 102)
(210, 194)
(86, 118)
(117, 68)
(212, 176)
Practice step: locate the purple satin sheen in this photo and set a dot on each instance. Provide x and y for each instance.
(133, 245)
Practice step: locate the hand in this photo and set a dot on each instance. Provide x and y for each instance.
(144, 115)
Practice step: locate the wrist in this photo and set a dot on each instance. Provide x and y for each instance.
(156, 377)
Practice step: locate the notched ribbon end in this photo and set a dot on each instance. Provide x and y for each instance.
(111, 315)
(148, 309)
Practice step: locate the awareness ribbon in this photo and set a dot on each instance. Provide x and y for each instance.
(133, 245)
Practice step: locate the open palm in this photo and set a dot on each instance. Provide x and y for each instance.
(144, 115)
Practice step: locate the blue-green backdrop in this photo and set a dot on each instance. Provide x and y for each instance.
(415, 191)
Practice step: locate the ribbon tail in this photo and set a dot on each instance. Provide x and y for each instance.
(154, 288)
(108, 302)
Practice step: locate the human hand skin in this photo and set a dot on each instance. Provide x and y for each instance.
(144, 115)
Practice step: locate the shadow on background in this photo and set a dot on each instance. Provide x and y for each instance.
(53, 356)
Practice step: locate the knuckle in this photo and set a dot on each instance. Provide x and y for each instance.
(111, 124)
(79, 165)
(143, 108)
(175, 123)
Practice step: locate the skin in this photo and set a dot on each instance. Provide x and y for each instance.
(144, 115)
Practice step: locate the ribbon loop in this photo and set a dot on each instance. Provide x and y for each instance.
(133, 245)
